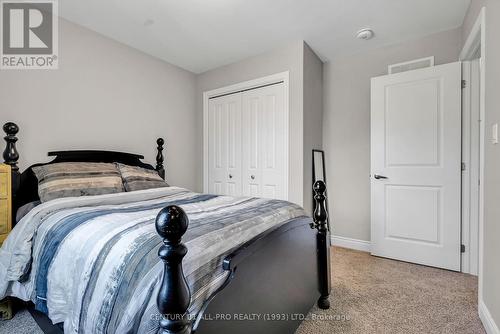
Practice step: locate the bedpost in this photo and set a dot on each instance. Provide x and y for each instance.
(320, 217)
(174, 296)
(11, 156)
(159, 158)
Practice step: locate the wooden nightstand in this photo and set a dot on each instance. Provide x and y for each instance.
(5, 202)
(5, 225)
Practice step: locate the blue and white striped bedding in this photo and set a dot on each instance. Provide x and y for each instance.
(92, 263)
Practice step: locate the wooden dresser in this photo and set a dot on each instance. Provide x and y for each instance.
(5, 202)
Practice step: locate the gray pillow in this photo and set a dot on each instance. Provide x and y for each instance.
(23, 210)
(74, 179)
(137, 178)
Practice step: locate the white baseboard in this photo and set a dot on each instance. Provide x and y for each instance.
(350, 243)
(489, 324)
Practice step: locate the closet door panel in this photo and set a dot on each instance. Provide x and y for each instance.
(233, 185)
(263, 142)
(273, 143)
(225, 145)
(217, 168)
(251, 115)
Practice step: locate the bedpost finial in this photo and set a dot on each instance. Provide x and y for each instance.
(10, 128)
(171, 223)
(10, 154)
(319, 187)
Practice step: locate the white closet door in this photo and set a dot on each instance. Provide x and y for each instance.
(224, 145)
(264, 142)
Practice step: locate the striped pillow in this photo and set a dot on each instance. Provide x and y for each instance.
(137, 178)
(74, 179)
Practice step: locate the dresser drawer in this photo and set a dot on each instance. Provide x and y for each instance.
(4, 217)
(3, 185)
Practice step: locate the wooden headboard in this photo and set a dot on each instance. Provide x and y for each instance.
(25, 184)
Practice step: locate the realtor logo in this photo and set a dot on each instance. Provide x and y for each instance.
(29, 34)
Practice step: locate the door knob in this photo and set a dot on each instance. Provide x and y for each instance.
(378, 177)
(230, 176)
(252, 177)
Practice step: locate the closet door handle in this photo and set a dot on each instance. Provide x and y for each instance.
(252, 177)
(380, 177)
(230, 176)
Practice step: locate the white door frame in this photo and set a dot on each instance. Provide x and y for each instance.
(475, 42)
(242, 86)
(470, 166)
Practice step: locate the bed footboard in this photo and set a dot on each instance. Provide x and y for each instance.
(174, 297)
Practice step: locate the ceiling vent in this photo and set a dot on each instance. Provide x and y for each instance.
(411, 65)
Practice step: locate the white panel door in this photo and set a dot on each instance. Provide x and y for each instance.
(416, 166)
(224, 145)
(264, 142)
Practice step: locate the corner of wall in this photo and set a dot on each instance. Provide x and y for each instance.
(312, 117)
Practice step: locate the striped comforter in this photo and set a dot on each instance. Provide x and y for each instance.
(92, 263)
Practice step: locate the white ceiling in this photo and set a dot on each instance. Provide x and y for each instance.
(199, 35)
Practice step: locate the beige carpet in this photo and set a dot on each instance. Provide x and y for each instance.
(375, 295)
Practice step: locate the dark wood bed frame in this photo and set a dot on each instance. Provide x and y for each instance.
(272, 281)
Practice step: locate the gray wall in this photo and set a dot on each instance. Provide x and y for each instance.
(287, 58)
(313, 117)
(491, 244)
(104, 96)
(346, 124)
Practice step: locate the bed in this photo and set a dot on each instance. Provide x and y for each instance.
(163, 259)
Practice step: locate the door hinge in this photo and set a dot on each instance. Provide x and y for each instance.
(463, 166)
(462, 248)
(464, 84)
